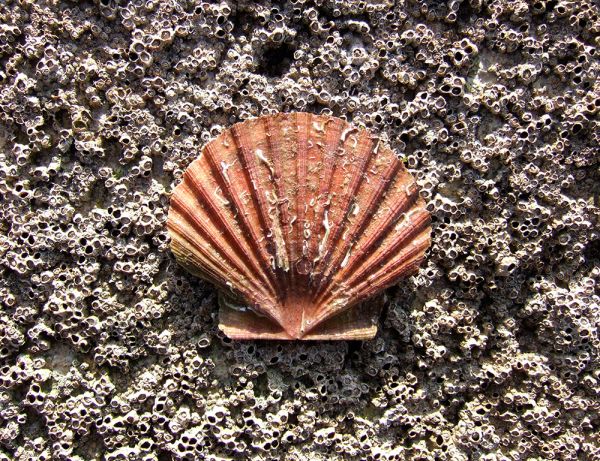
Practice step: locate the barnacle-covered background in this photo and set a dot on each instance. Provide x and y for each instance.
(109, 350)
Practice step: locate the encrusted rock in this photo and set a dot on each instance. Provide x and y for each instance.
(109, 350)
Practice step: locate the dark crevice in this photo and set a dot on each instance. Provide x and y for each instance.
(275, 62)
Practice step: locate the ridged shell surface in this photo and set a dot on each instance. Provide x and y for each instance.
(300, 220)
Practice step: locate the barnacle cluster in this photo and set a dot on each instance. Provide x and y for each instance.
(109, 350)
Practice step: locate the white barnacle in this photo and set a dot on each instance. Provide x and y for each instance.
(345, 234)
(292, 221)
(224, 167)
(346, 258)
(376, 148)
(245, 197)
(305, 248)
(406, 219)
(347, 132)
(307, 230)
(327, 227)
(271, 197)
(276, 233)
(217, 193)
(282, 259)
(261, 156)
(401, 222)
(318, 127)
(355, 209)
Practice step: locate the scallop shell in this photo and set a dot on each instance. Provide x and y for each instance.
(300, 220)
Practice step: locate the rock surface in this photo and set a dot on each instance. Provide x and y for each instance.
(109, 350)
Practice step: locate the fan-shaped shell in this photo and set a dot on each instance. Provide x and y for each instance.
(300, 220)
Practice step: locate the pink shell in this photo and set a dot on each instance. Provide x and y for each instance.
(300, 220)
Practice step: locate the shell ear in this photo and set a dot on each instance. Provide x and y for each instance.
(247, 324)
(357, 323)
